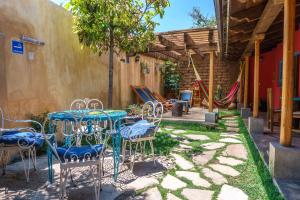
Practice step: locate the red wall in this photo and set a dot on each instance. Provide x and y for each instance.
(269, 72)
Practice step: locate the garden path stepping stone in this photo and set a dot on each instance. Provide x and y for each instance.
(182, 163)
(230, 140)
(152, 194)
(231, 193)
(229, 161)
(171, 196)
(185, 146)
(142, 182)
(233, 129)
(172, 183)
(185, 142)
(194, 177)
(160, 130)
(178, 131)
(236, 150)
(169, 129)
(196, 194)
(216, 178)
(213, 145)
(203, 158)
(230, 134)
(197, 137)
(225, 170)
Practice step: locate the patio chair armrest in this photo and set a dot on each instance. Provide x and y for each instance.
(26, 121)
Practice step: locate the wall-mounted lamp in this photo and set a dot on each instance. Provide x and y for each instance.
(31, 40)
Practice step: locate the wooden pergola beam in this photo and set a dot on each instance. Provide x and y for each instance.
(169, 44)
(211, 82)
(270, 12)
(159, 56)
(246, 81)
(188, 40)
(201, 47)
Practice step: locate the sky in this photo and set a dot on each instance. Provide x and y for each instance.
(177, 15)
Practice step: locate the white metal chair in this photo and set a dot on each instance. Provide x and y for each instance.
(84, 146)
(142, 131)
(25, 140)
(82, 104)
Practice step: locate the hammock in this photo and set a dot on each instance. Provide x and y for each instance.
(230, 97)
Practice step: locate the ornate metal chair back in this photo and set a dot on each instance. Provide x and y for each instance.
(79, 104)
(94, 104)
(79, 131)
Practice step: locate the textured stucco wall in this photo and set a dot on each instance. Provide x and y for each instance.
(62, 69)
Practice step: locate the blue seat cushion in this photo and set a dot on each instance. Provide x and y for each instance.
(141, 128)
(22, 138)
(80, 153)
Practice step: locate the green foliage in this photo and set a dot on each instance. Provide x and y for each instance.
(130, 22)
(41, 118)
(164, 143)
(171, 76)
(134, 109)
(201, 21)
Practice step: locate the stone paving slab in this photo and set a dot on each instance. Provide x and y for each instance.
(197, 194)
(231, 193)
(231, 129)
(230, 134)
(236, 150)
(223, 169)
(182, 162)
(229, 161)
(213, 145)
(172, 183)
(194, 177)
(204, 157)
(178, 131)
(185, 146)
(230, 140)
(197, 137)
(171, 196)
(216, 178)
(150, 194)
(142, 182)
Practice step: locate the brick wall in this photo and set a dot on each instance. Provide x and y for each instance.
(226, 73)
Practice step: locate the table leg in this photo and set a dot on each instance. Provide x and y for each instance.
(116, 150)
(50, 169)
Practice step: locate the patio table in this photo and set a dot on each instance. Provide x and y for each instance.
(62, 116)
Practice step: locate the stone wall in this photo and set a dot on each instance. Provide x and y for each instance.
(226, 73)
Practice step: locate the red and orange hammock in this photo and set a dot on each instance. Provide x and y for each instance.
(230, 97)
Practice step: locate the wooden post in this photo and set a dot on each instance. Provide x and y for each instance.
(241, 83)
(287, 76)
(211, 82)
(246, 84)
(258, 39)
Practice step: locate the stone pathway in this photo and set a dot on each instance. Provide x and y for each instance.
(172, 183)
(193, 175)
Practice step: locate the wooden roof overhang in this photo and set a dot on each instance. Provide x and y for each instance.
(241, 21)
(173, 45)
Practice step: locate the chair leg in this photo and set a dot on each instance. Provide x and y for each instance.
(63, 182)
(4, 159)
(33, 158)
(123, 150)
(152, 150)
(26, 170)
(133, 157)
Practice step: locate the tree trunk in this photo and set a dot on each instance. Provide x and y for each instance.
(111, 69)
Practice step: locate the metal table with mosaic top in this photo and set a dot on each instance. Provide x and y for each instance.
(115, 115)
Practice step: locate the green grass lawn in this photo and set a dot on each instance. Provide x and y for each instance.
(254, 180)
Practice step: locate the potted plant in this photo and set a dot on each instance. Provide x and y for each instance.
(171, 78)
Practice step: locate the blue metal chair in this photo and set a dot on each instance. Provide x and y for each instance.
(84, 143)
(25, 140)
(186, 95)
(142, 131)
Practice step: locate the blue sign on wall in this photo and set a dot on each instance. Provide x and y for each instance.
(17, 47)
